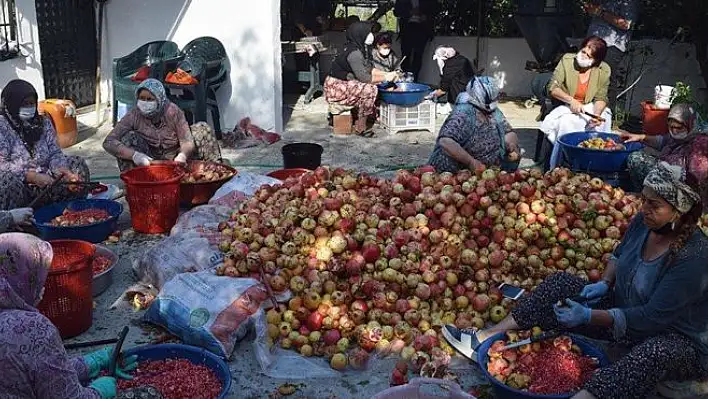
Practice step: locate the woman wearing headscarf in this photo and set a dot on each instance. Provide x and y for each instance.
(156, 129)
(683, 146)
(30, 158)
(455, 71)
(651, 297)
(352, 80)
(476, 134)
(581, 82)
(33, 361)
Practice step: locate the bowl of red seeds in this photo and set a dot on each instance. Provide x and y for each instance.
(556, 368)
(91, 220)
(103, 263)
(179, 371)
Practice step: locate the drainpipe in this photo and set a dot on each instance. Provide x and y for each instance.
(99, 40)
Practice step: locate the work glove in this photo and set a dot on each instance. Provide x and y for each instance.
(100, 360)
(141, 159)
(181, 158)
(573, 315)
(105, 386)
(21, 216)
(595, 290)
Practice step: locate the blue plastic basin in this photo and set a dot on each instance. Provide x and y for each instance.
(95, 233)
(503, 391)
(406, 94)
(191, 353)
(589, 160)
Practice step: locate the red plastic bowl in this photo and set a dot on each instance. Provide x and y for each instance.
(283, 174)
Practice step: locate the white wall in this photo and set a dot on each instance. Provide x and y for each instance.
(505, 58)
(28, 66)
(250, 34)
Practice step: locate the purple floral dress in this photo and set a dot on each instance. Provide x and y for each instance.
(47, 157)
(33, 362)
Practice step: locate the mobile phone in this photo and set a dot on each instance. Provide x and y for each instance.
(511, 292)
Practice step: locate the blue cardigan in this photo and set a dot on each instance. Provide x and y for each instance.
(652, 298)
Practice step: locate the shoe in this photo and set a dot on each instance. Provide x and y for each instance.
(464, 340)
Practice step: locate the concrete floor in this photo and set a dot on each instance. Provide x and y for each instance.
(380, 154)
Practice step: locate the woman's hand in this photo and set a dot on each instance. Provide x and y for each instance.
(595, 290)
(39, 179)
(99, 360)
(573, 315)
(593, 123)
(105, 386)
(476, 166)
(631, 137)
(22, 216)
(391, 76)
(576, 106)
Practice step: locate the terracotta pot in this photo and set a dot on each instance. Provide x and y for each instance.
(654, 121)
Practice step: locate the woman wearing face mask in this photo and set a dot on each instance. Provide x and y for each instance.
(383, 57)
(33, 362)
(352, 80)
(683, 146)
(455, 71)
(580, 81)
(651, 298)
(30, 158)
(476, 134)
(156, 129)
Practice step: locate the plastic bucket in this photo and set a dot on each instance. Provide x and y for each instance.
(503, 391)
(302, 156)
(153, 194)
(68, 296)
(662, 96)
(654, 120)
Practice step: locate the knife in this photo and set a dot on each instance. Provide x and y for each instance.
(542, 337)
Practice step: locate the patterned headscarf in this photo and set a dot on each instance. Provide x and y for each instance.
(669, 181)
(685, 114)
(24, 264)
(13, 95)
(155, 87)
(482, 92)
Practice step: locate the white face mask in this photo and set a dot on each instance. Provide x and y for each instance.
(369, 39)
(678, 135)
(147, 107)
(385, 52)
(583, 60)
(27, 113)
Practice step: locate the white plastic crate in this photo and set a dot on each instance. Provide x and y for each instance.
(396, 118)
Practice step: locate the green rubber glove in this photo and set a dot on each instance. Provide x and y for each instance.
(100, 360)
(105, 386)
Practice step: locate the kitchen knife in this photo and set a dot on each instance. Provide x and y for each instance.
(544, 336)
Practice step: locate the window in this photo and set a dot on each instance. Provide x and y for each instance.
(9, 46)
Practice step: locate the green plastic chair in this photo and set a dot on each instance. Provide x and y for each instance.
(206, 60)
(161, 56)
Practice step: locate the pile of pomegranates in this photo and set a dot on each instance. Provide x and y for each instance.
(383, 263)
(549, 367)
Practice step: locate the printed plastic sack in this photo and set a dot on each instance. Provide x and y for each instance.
(244, 182)
(203, 221)
(232, 200)
(206, 310)
(182, 253)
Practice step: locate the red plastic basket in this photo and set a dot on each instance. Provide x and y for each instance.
(283, 174)
(68, 296)
(153, 196)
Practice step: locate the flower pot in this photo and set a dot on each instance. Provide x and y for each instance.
(654, 120)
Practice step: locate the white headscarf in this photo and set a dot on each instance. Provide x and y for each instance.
(442, 54)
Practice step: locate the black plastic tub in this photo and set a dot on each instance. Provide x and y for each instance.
(302, 156)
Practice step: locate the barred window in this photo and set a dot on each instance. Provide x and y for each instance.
(9, 46)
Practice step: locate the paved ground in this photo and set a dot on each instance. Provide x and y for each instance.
(307, 123)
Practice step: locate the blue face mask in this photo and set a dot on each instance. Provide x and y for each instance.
(27, 113)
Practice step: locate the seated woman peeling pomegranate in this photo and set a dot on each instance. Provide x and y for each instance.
(652, 297)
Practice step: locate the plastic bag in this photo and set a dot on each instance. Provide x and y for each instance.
(232, 200)
(182, 253)
(203, 221)
(244, 182)
(206, 310)
(280, 363)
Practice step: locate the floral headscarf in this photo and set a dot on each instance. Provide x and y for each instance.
(685, 114)
(155, 87)
(482, 93)
(669, 181)
(24, 264)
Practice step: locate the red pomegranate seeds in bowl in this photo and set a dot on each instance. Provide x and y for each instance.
(175, 379)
